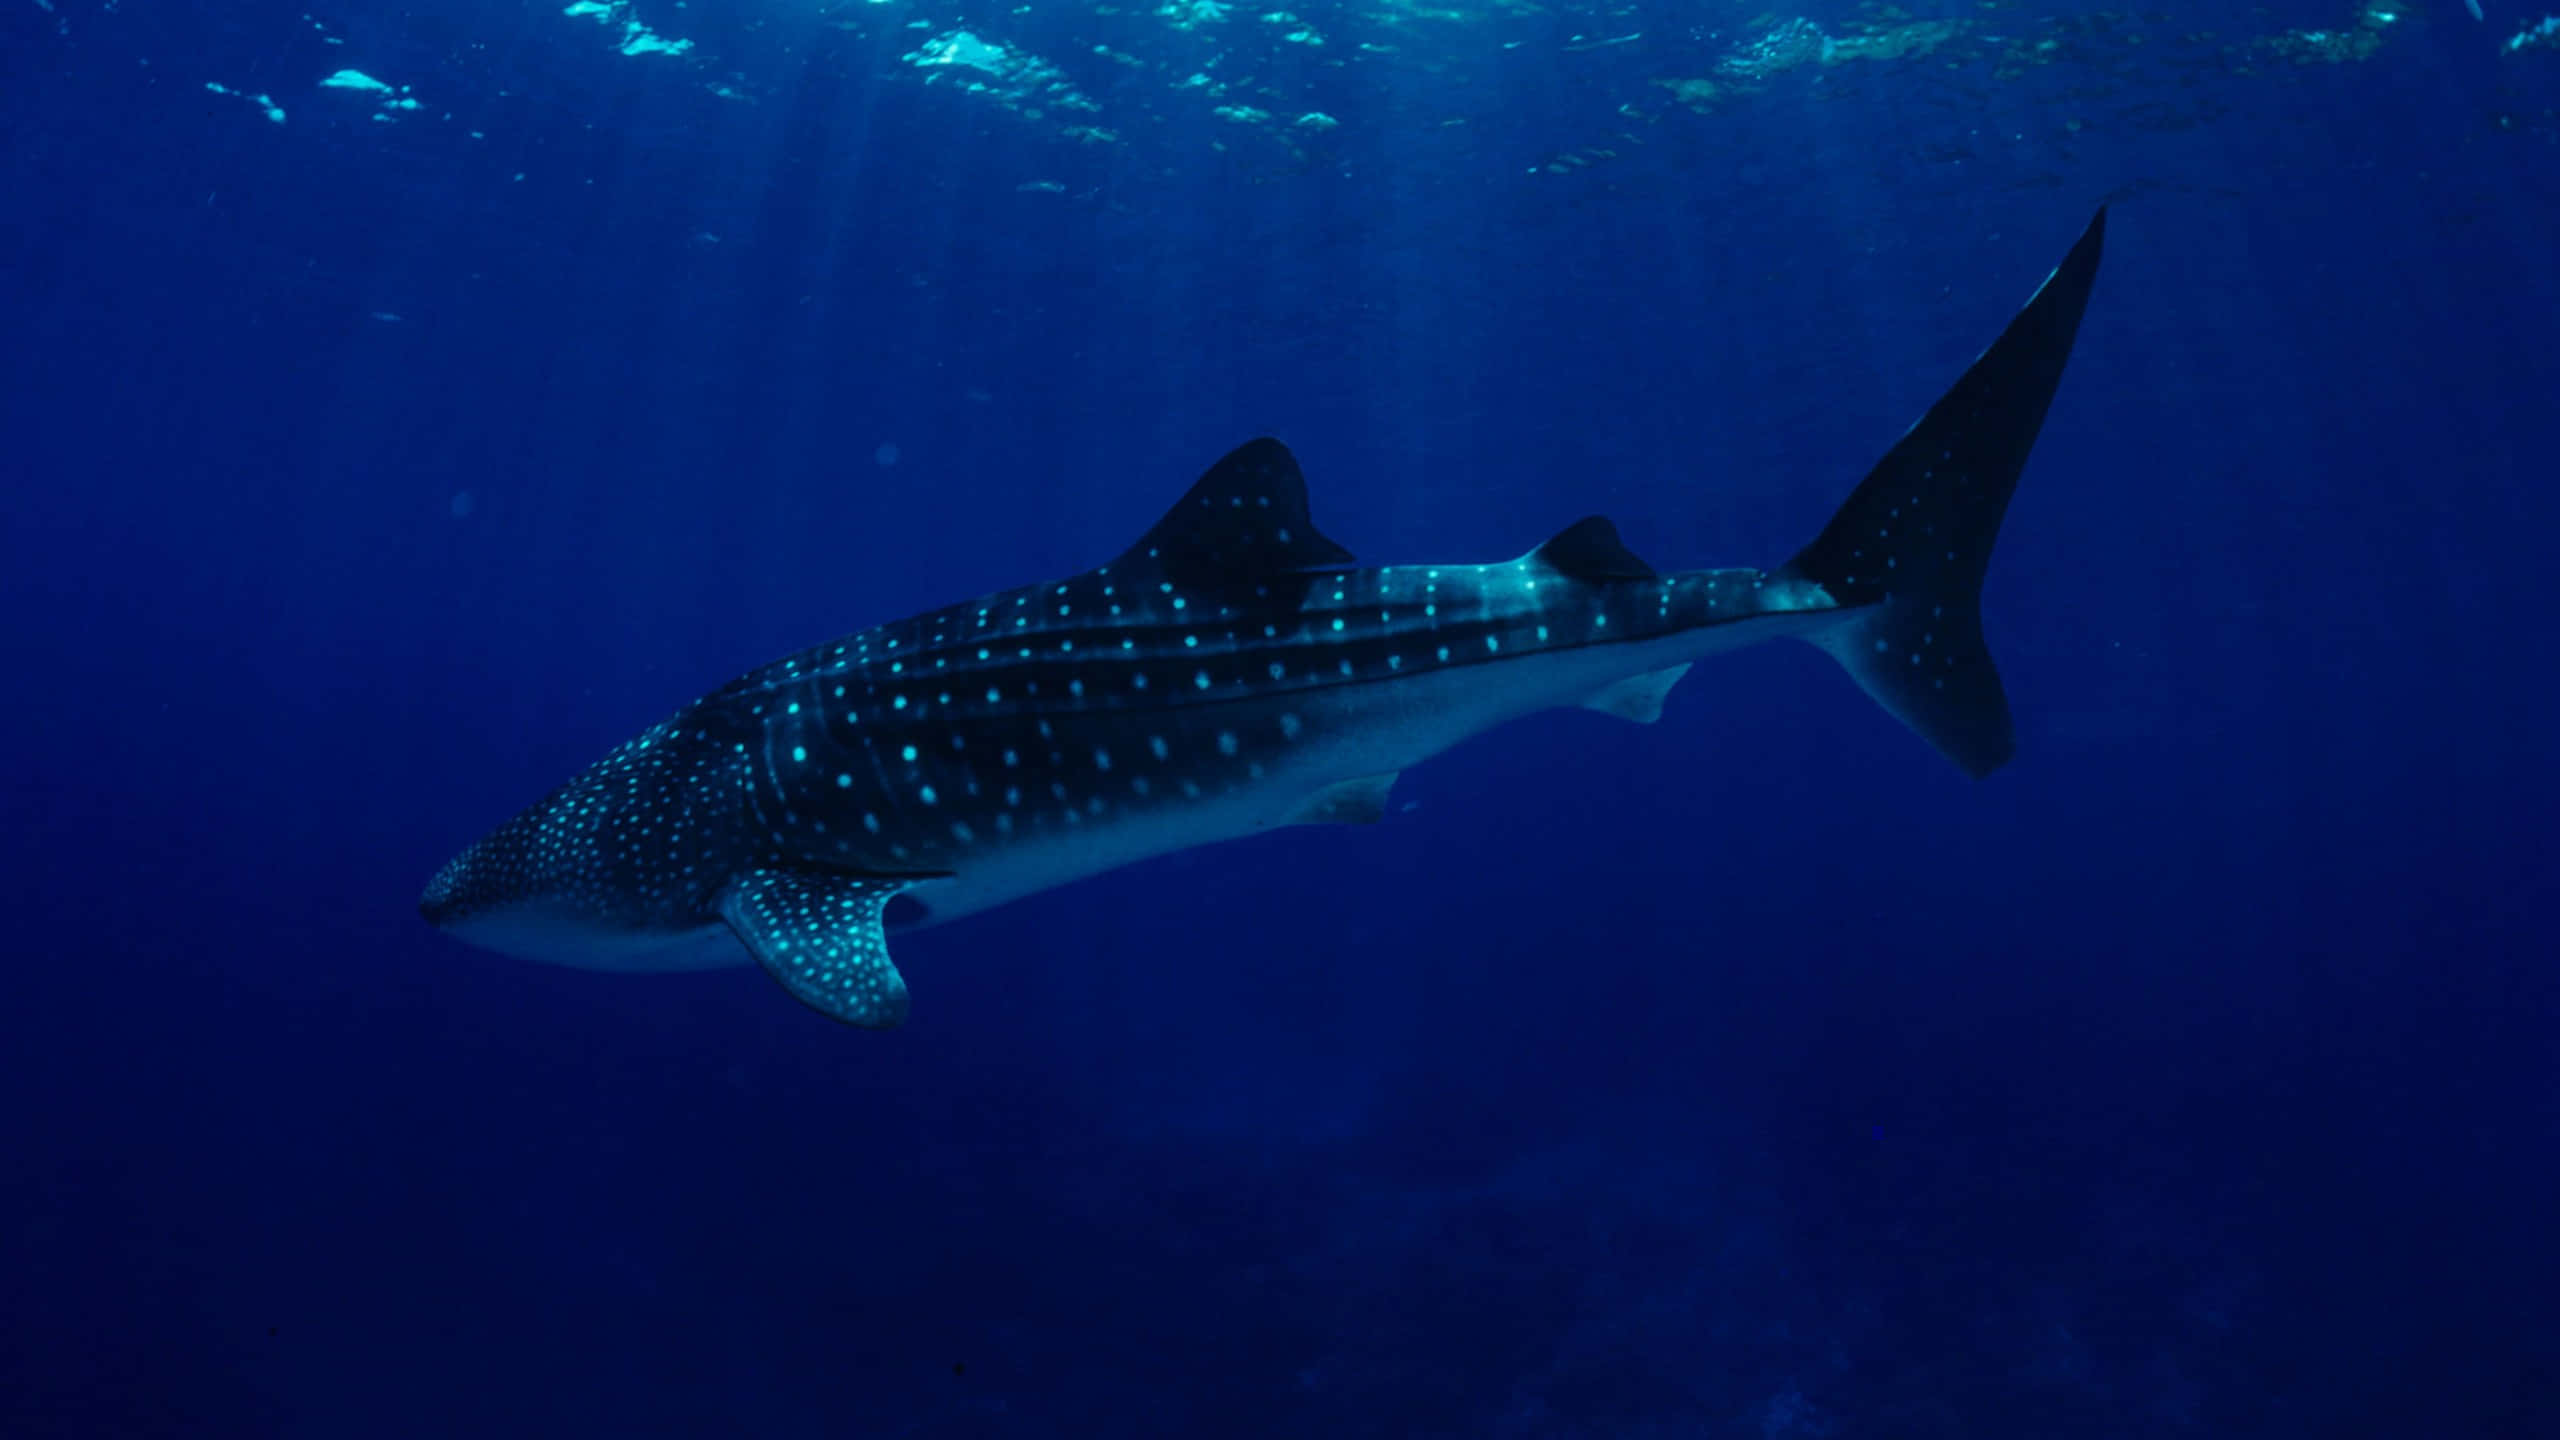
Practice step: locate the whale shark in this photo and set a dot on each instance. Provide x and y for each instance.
(1233, 671)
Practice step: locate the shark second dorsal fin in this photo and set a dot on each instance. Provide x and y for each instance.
(1244, 521)
(1589, 549)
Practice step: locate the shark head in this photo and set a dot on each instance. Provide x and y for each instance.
(613, 871)
(509, 893)
(501, 882)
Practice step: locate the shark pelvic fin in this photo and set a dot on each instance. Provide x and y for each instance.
(1638, 697)
(1589, 549)
(1348, 802)
(1244, 521)
(819, 934)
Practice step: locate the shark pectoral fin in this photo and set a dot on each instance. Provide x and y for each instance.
(1349, 802)
(819, 934)
(1638, 697)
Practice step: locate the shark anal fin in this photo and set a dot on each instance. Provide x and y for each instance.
(819, 933)
(1589, 549)
(1243, 522)
(1638, 697)
(1362, 801)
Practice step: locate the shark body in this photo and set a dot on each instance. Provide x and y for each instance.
(1233, 671)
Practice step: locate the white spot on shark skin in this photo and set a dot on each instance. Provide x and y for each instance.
(1226, 742)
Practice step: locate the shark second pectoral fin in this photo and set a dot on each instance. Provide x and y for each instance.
(1638, 697)
(819, 933)
(1361, 801)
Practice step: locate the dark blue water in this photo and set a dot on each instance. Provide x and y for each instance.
(370, 470)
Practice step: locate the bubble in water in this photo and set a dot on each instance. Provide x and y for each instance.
(887, 454)
(464, 502)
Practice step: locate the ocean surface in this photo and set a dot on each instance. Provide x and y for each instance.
(400, 406)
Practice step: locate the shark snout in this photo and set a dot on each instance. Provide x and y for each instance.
(441, 903)
(486, 878)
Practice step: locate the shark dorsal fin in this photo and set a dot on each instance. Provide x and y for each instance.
(1589, 549)
(1244, 521)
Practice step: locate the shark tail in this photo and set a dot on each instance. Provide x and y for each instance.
(1909, 548)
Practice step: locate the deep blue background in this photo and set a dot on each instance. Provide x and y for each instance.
(1752, 1074)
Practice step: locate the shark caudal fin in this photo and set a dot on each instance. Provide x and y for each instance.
(1910, 546)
